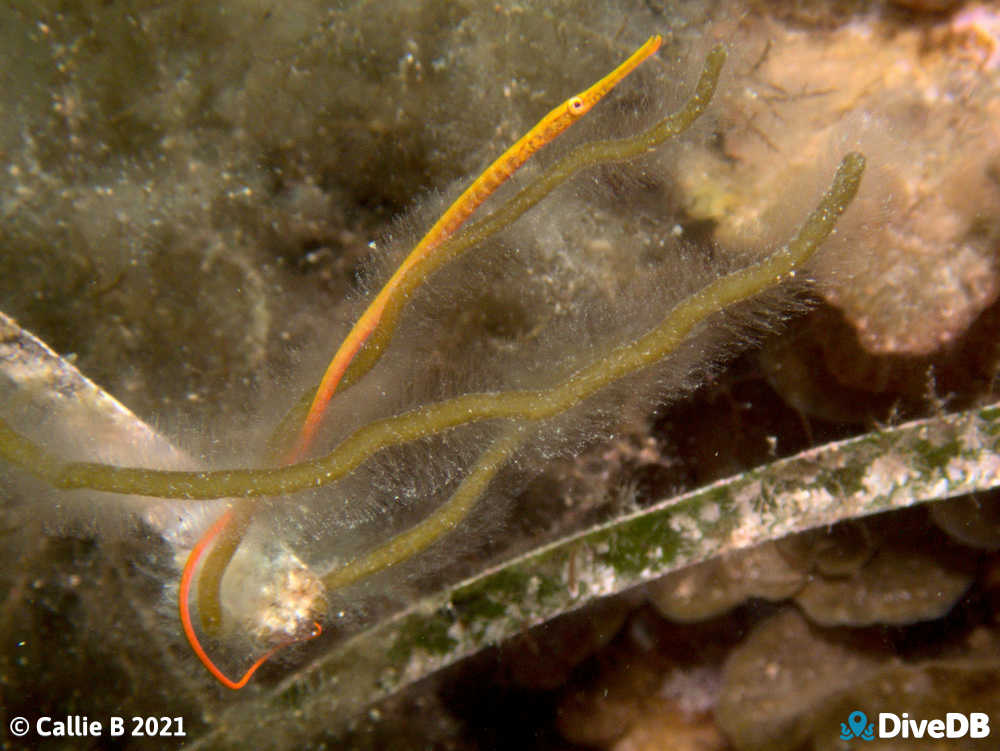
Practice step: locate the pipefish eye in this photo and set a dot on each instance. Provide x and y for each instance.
(576, 106)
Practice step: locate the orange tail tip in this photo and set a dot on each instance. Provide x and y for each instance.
(184, 596)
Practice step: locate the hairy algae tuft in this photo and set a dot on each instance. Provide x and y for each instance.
(436, 418)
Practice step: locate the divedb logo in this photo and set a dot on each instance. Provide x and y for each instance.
(954, 725)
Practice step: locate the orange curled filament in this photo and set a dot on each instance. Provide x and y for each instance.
(547, 129)
(185, 611)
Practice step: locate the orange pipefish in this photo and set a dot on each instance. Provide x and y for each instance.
(546, 130)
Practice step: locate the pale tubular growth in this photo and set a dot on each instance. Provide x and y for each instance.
(521, 407)
(278, 595)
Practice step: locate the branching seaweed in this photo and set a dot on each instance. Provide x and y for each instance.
(515, 411)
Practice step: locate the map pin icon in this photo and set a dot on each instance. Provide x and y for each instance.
(857, 721)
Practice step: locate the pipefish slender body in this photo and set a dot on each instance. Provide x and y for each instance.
(544, 132)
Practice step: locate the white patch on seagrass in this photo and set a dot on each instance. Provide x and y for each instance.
(686, 526)
(710, 513)
(884, 475)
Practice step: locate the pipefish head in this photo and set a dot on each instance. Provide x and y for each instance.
(581, 104)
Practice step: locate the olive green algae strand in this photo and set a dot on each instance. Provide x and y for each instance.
(445, 518)
(436, 418)
(217, 561)
(658, 343)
